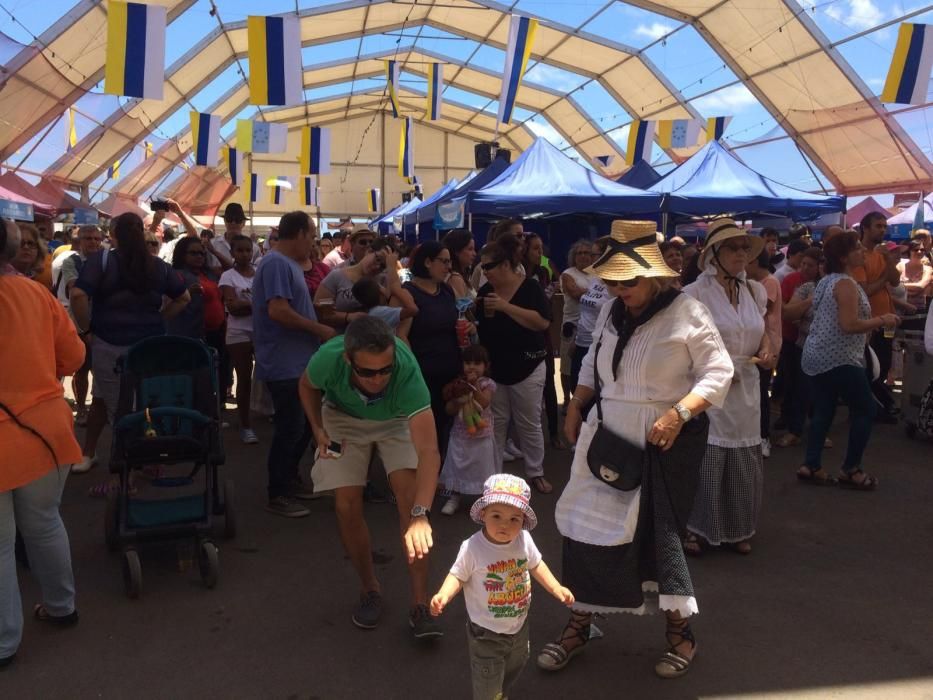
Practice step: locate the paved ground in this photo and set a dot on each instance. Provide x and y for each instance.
(834, 602)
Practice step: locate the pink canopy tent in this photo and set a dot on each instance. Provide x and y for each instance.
(57, 194)
(39, 208)
(201, 191)
(866, 206)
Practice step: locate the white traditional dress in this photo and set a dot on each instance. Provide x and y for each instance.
(675, 353)
(728, 499)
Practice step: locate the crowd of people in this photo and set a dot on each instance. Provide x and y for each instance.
(437, 364)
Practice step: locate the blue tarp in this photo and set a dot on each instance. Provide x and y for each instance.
(544, 180)
(411, 215)
(640, 176)
(426, 213)
(386, 224)
(714, 181)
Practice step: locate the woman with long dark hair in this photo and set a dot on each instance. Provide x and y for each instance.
(127, 285)
(432, 334)
(462, 249)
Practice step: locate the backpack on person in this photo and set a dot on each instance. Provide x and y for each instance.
(79, 263)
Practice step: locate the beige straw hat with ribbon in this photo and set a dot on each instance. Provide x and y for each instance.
(632, 252)
(724, 229)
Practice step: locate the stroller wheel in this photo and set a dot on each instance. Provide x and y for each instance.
(132, 574)
(111, 521)
(209, 563)
(229, 510)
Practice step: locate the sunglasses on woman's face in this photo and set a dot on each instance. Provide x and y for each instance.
(370, 373)
(624, 283)
(491, 265)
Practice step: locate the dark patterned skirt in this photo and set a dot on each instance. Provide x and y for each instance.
(615, 579)
(728, 499)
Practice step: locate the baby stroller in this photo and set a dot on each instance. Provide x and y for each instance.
(168, 414)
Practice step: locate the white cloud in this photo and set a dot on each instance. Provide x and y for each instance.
(876, 83)
(729, 100)
(857, 14)
(552, 77)
(546, 131)
(653, 31)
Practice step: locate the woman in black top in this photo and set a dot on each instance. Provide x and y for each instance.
(514, 315)
(432, 334)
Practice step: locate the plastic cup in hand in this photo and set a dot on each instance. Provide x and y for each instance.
(889, 332)
(463, 335)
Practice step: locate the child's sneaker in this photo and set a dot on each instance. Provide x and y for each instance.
(452, 504)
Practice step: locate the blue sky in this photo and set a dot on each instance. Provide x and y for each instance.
(687, 61)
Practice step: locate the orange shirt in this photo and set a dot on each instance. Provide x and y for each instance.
(875, 268)
(39, 345)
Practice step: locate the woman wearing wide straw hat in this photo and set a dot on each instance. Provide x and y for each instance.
(659, 362)
(728, 496)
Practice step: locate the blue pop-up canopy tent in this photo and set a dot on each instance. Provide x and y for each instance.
(714, 181)
(479, 180)
(545, 181)
(411, 216)
(640, 176)
(386, 224)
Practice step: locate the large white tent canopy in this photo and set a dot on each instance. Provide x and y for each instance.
(799, 64)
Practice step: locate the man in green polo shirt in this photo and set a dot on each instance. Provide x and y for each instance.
(363, 391)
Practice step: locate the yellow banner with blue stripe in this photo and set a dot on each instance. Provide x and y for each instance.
(134, 63)
(311, 192)
(113, 172)
(521, 40)
(205, 138)
(72, 133)
(716, 127)
(252, 188)
(233, 160)
(315, 150)
(274, 51)
(435, 90)
(373, 200)
(406, 150)
(392, 72)
(640, 137)
(909, 74)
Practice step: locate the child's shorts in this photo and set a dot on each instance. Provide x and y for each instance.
(496, 660)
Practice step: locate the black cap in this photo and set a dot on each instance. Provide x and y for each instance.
(234, 212)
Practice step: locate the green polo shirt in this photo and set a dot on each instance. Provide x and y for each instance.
(405, 395)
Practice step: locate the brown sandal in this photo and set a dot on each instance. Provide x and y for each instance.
(672, 663)
(580, 629)
(542, 485)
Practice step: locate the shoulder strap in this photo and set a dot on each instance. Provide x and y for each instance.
(596, 385)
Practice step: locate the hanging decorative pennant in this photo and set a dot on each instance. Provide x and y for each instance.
(605, 161)
(205, 138)
(252, 188)
(521, 39)
(134, 63)
(72, 133)
(909, 74)
(392, 71)
(311, 191)
(435, 91)
(678, 133)
(274, 50)
(147, 150)
(233, 159)
(373, 200)
(640, 135)
(716, 127)
(113, 172)
(261, 137)
(315, 150)
(406, 150)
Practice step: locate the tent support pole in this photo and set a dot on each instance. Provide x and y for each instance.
(252, 195)
(665, 220)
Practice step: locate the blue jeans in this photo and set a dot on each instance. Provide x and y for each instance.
(33, 509)
(849, 382)
(289, 440)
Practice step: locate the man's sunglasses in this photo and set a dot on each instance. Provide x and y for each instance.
(370, 373)
(625, 283)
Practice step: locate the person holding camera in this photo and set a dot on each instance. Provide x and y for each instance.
(363, 392)
(334, 300)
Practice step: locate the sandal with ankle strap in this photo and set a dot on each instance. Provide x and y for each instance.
(672, 663)
(555, 656)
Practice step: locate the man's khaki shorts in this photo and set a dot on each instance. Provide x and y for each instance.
(390, 439)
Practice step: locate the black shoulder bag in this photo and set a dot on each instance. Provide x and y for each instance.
(612, 459)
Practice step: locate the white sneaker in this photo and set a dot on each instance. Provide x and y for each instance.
(450, 507)
(248, 436)
(511, 452)
(85, 465)
(766, 448)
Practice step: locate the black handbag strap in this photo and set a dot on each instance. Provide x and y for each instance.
(596, 384)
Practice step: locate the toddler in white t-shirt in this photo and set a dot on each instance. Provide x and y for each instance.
(494, 569)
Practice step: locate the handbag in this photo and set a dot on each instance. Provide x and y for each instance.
(611, 458)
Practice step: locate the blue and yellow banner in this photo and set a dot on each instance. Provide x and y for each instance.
(311, 191)
(233, 159)
(72, 133)
(147, 150)
(315, 150)
(392, 71)
(275, 190)
(435, 91)
(373, 200)
(274, 51)
(406, 150)
(134, 65)
(261, 137)
(252, 188)
(640, 136)
(716, 127)
(678, 133)
(113, 172)
(521, 40)
(909, 74)
(205, 138)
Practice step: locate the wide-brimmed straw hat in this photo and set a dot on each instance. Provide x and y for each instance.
(632, 252)
(724, 229)
(510, 490)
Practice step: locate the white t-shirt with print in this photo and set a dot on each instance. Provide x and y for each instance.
(243, 289)
(496, 580)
